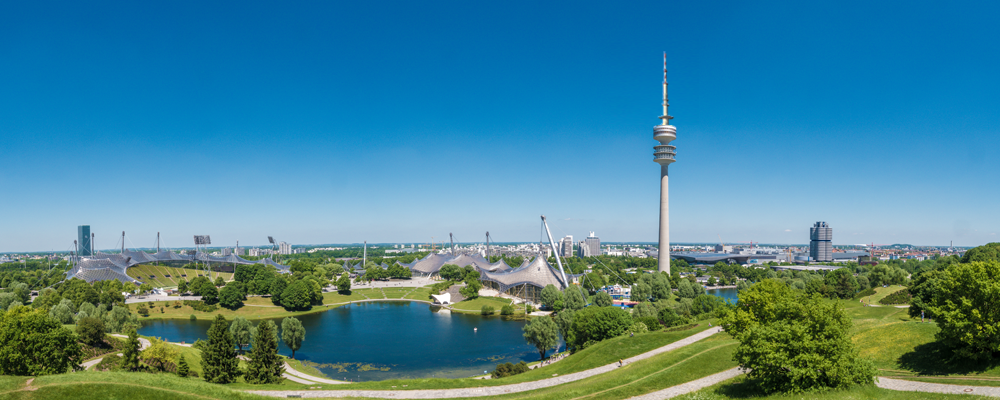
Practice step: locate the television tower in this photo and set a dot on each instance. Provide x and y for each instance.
(663, 154)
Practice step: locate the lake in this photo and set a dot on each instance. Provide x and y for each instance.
(388, 340)
(728, 295)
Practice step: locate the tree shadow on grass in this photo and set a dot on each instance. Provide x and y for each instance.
(935, 358)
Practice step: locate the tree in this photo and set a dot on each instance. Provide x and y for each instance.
(642, 292)
(594, 324)
(218, 357)
(219, 281)
(119, 319)
(685, 289)
(451, 272)
(670, 318)
(712, 281)
(90, 330)
(31, 343)
(242, 332)
(62, 313)
(182, 367)
(645, 309)
(965, 308)
(984, 253)
(21, 290)
(231, 297)
(574, 298)
(297, 296)
(471, 290)
(550, 295)
(292, 333)
(209, 294)
(793, 342)
(47, 299)
(278, 286)
(841, 283)
(159, 353)
(603, 299)
(507, 309)
(487, 310)
(182, 287)
(564, 320)
(542, 333)
(264, 365)
(130, 353)
(6, 299)
(923, 289)
(344, 284)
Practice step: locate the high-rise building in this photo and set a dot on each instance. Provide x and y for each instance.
(663, 154)
(83, 240)
(821, 242)
(566, 246)
(284, 248)
(591, 246)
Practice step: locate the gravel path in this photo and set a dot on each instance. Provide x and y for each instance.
(914, 386)
(291, 371)
(692, 386)
(487, 391)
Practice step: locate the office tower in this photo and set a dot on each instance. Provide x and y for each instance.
(591, 246)
(284, 248)
(83, 240)
(821, 242)
(566, 246)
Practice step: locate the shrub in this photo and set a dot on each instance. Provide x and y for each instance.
(670, 318)
(898, 297)
(486, 310)
(192, 317)
(652, 323)
(507, 369)
(177, 304)
(142, 310)
(594, 324)
(507, 310)
(638, 327)
(199, 305)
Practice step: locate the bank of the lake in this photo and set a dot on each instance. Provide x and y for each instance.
(727, 293)
(381, 340)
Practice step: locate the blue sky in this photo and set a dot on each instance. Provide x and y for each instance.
(337, 122)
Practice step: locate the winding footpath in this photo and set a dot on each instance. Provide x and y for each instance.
(490, 390)
(143, 345)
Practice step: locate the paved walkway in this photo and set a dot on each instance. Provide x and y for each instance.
(487, 391)
(143, 345)
(914, 386)
(692, 386)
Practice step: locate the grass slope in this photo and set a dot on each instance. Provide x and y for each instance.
(476, 305)
(116, 385)
(143, 272)
(880, 293)
(732, 389)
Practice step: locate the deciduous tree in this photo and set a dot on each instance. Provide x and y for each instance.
(542, 333)
(292, 333)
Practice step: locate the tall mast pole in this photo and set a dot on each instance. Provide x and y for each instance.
(452, 238)
(123, 242)
(364, 257)
(558, 261)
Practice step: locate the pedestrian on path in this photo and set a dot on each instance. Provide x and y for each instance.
(619, 362)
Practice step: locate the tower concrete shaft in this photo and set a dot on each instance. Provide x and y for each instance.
(664, 154)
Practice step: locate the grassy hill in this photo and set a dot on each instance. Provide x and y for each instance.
(163, 276)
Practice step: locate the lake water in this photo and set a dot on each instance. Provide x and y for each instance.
(726, 294)
(389, 340)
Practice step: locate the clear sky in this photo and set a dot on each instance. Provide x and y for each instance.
(340, 121)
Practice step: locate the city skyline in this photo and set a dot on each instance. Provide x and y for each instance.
(336, 123)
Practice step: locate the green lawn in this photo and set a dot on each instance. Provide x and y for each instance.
(477, 304)
(880, 293)
(419, 294)
(116, 385)
(143, 272)
(732, 389)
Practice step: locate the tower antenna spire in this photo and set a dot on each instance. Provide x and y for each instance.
(665, 117)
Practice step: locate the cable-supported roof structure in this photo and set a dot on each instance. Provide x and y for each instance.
(105, 268)
(537, 273)
(102, 267)
(431, 264)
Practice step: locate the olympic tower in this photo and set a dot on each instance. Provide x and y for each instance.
(663, 154)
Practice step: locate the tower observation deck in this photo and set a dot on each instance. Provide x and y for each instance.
(664, 154)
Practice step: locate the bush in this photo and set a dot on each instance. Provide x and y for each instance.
(638, 327)
(142, 310)
(898, 297)
(652, 323)
(441, 287)
(486, 310)
(193, 318)
(594, 324)
(965, 310)
(507, 369)
(670, 318)
(199, 305)
(507, 310)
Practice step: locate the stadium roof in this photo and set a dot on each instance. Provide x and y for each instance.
(536, 273)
